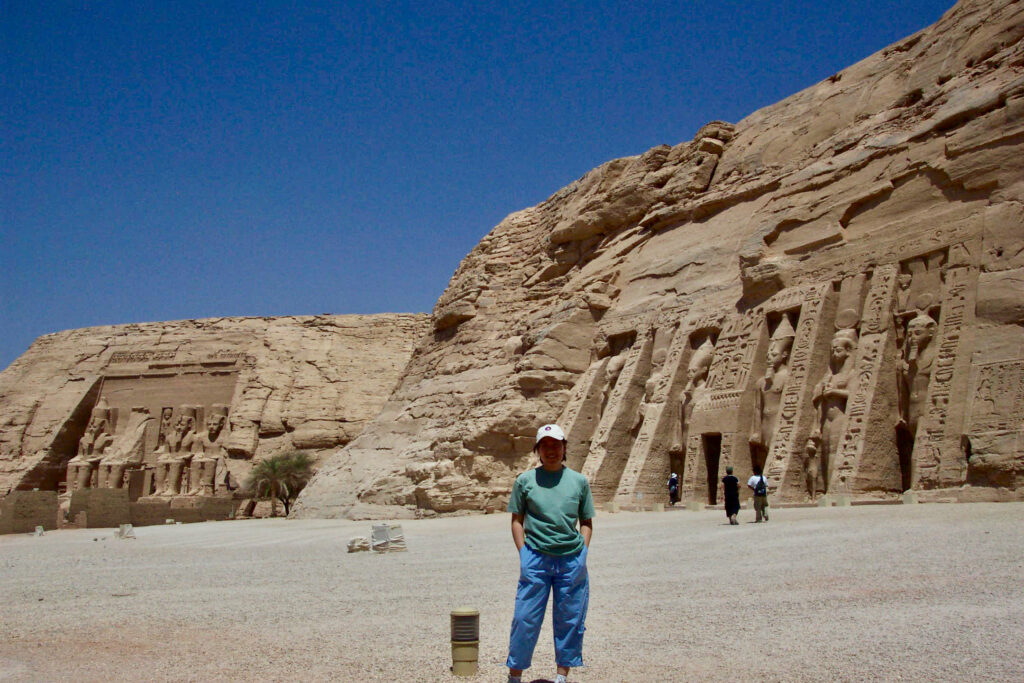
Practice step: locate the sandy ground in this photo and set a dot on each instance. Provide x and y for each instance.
(924, 593)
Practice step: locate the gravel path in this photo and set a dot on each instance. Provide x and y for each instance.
(923, 593)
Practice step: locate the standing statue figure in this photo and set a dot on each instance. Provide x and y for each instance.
(97, 438)
(696, 386)
(830, 397)
(769, 392)
(915, 370)
(208, 453)
(166, 427)
(611, 376)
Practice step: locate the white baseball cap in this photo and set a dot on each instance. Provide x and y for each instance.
(552, 430)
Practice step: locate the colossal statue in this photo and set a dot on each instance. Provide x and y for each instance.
(830, 397)
(915, 370)
(696, 381)
(611, 375)
(97, 438)
(208, 453)
(127, 450)
(769, 391)
(171, 463)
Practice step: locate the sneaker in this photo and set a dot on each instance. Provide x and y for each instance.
(560, 679)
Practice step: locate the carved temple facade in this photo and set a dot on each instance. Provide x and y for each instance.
(862, 386)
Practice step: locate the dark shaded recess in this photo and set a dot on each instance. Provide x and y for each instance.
(905, 448)
(712, 455)
(50, 473)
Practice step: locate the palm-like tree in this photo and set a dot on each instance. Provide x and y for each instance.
(280, 478)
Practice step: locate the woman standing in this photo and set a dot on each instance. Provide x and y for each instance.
(731, 489)
(547, 504)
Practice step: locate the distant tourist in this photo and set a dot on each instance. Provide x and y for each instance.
(759, 485)
(673, 489)
(547, 504)
(731, 488)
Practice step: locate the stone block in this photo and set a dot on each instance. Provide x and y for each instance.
(218, 509)
(612, 506)
(825, 501)
(103, 508)
(842, 501)
(186, 510)
(694, 506)
(909, 498)
(150, 511)
(23, 511)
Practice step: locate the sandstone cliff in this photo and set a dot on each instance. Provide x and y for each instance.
(293, 382)
(833, 288)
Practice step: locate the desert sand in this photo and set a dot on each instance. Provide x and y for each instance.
(917, 592)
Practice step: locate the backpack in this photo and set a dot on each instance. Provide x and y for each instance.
(761, 488)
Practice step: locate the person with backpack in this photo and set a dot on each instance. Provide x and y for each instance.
(759, 485)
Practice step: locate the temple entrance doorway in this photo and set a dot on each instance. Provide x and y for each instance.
(712, 454)
(905, 448)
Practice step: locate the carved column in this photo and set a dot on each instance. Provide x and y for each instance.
(938, 458)
(582, 413)
(784, 466)
(867, 453)
(610, 447)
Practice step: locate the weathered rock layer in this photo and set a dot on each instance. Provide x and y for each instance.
(832, 289)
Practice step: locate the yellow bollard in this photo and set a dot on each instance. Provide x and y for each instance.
(465, 640)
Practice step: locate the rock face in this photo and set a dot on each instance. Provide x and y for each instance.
(181, 408)
(832, 289)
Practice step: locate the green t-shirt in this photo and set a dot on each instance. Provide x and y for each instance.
(552, 503)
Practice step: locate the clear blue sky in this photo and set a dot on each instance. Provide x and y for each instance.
(167, 160)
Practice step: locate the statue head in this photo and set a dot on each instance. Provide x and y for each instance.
(700, 361)
(920, 330)
(843, 343)
(100, 415)
(614, 367)
(780, 344)
(216, 421)
(778, 352)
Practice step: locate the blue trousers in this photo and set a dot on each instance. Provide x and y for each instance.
(566, 577)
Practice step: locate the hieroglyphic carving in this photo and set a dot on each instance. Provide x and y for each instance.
(734, 352)
(694, 470)
(726, 454)
(783, 465)
(995, 435)
(141, 356)
(866, 403)
(721, 400)
(937, 450)
(998, 397)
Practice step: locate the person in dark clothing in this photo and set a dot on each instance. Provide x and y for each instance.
(673, 489)
(731, 488)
